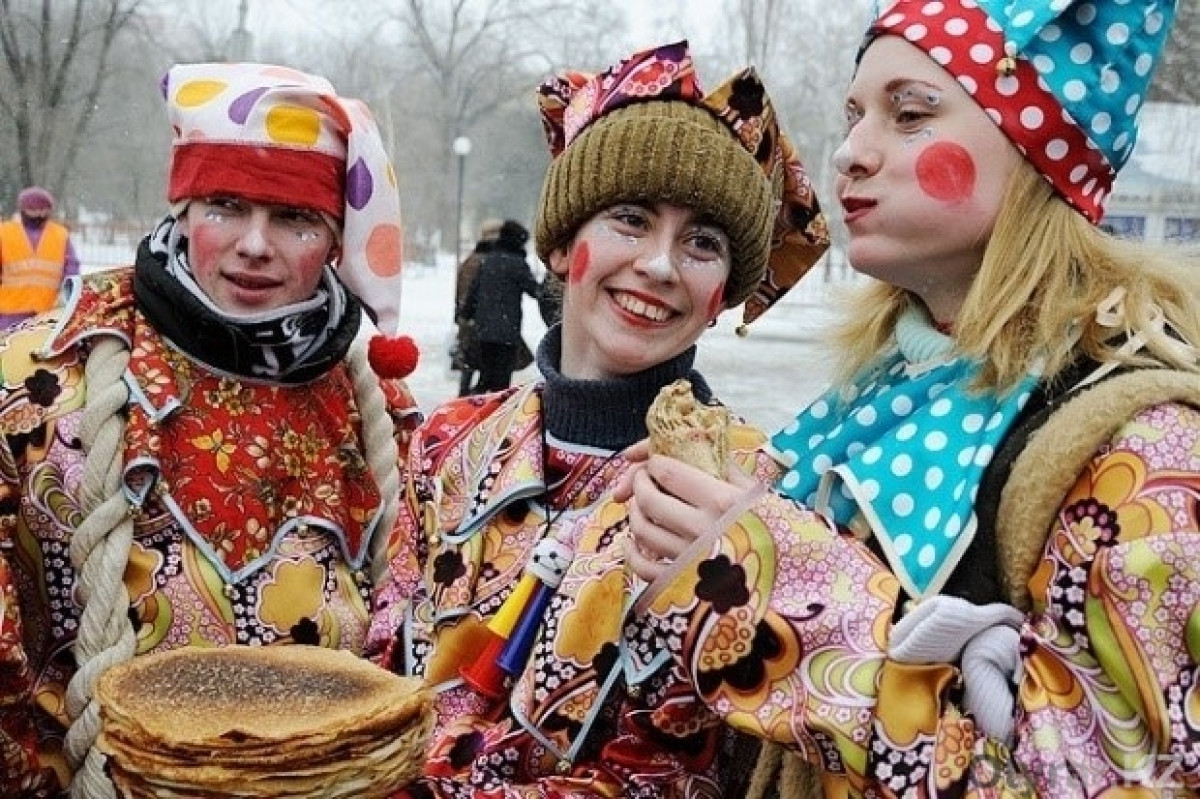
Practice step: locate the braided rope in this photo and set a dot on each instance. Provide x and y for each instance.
(100, 552)
(383, 454)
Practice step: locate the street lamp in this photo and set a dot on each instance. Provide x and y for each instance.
(241, 42)
(462, 146)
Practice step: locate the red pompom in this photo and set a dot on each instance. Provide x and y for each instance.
(393, 357)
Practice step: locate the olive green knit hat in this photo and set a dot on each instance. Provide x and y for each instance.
(670, 152)
(643, 131)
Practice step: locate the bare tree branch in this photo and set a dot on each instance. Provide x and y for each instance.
(1175, 80)
(56, 59)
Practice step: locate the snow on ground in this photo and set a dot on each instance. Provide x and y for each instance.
(766, 377)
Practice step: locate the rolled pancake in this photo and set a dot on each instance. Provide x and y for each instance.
(686, 429)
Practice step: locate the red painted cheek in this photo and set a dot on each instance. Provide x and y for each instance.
(946, 171)
(715, 301)
(203, 244)
(581, 259)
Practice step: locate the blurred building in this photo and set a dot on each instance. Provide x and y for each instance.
(1156, 197)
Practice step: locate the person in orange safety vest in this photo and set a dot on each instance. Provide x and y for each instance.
(36, 257)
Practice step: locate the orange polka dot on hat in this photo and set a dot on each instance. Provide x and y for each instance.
(1064, 79)
(271, 134)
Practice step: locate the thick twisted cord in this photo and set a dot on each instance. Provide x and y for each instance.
(783, 774)
(100, 552)
(383, 455)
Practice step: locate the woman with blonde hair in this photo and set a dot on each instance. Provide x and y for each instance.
(976, 570)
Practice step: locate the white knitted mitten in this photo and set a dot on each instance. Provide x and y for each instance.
(947, 629)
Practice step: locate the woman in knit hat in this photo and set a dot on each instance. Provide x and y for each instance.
(198, 451)
(662, 207)
(493, 307)
(978, 568)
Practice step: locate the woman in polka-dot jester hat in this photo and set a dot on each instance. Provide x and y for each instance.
(1006, 476)
(204, 448)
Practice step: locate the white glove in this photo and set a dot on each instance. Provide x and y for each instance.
(937, 628)
(947, 629)
(991, 667)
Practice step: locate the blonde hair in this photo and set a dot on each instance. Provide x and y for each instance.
(1045, 272)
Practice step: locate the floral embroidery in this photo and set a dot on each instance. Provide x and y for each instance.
(217, 457)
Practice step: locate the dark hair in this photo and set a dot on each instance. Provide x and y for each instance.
(513, 236)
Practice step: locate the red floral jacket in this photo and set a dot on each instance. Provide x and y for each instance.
(255, 511)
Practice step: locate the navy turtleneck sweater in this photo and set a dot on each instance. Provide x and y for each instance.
(606, 414)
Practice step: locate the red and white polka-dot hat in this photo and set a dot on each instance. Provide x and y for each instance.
(1064, 79)
(272, 134)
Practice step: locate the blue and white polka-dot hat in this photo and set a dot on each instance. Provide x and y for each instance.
(1064, 79)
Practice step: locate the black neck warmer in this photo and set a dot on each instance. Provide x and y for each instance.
(230, 347)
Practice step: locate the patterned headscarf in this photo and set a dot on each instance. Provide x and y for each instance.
(271, 134)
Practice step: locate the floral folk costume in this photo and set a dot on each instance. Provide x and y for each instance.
(174, 475)
(516, 604)
(1096, 532)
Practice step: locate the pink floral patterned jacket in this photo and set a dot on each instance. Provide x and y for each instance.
(780, 630)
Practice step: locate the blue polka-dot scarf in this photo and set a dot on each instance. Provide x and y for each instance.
(902, 449)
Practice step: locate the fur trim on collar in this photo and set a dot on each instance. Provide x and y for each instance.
(1057, 452)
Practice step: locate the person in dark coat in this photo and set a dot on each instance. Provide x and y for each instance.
(494, 305)
(464, 357)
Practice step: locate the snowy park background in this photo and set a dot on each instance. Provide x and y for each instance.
(450, 86)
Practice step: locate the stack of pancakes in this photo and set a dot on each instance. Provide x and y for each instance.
(261, 721)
